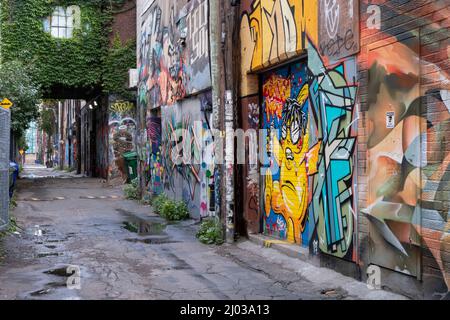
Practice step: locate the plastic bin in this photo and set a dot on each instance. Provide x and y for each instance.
(13, 175)
(131, 165)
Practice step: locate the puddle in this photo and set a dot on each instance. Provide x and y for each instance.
(49, 287)
(55, 240)
(145, 227)
(49, 254)
(334, 293)
(60, 272)
(153, 240)
(41, 292)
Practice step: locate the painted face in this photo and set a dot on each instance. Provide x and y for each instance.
(293, 131)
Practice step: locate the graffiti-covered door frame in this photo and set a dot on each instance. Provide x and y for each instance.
(296, 96)
(394, 152)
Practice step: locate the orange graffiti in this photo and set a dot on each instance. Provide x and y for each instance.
(276, 91)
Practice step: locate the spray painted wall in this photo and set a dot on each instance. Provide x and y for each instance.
(250, 111)
(407, 114)
(154, 167)
(186, 154)
(270, 33)
(333, 120)
(173, 51)
(308, 194)
(174, 79)
(378, 122)
(285, 114)
(122, 134)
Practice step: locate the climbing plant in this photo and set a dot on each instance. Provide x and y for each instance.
(117, 62)
(17, 85)
(75, 62)
(47, 121)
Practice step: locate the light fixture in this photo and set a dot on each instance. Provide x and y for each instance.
(90, 107)
(95, 103)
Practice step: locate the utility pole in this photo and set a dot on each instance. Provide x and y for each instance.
(223, 38)
(231, 37)
(218, 81)
(78, 134)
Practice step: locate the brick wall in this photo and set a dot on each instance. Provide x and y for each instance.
(124, 23)
(426, 22)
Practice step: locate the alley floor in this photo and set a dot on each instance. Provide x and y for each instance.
(67, 220)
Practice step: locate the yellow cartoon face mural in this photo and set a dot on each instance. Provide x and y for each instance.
(286, 182)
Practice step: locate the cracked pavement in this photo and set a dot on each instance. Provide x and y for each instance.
(81, 222)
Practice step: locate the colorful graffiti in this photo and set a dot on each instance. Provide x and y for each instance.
(187, 154)
(408, 120)
(273, 31)
(405, 111)
(308, 189)
(333, 121)
(155, 168)
(394, 155)
(178, 138)
(338, 28)
(286, 181)
(250, 115)
(122, 132)
(174, 55)
(308, 179)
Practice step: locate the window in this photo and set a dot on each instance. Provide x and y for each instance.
(62, 22)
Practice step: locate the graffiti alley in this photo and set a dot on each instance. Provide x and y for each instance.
(72, 221)
(225, 150)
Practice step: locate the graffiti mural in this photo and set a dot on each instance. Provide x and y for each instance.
(187, 154)
(333, 121)
(250, 123)
(408, 113)
(273, 31)
(308, 189)
(174, 52)
(338, 28)
(394, 156)
(285, 108)
(122, 131)
(155, 169)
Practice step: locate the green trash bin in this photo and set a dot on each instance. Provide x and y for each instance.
(131, 164)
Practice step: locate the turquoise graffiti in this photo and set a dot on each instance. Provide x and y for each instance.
(333, 129)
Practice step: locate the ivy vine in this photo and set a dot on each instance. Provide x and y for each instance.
(118, 61)
(83, 61)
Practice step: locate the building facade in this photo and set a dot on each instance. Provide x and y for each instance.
(345, 109)
(356, 95)
(174, 101)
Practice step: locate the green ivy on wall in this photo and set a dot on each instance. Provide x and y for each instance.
(77, 62)
(118, 61)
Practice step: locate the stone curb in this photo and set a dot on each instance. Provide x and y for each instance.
(289, 249)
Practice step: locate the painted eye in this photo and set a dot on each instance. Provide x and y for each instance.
(295, 131)
(283, 131)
